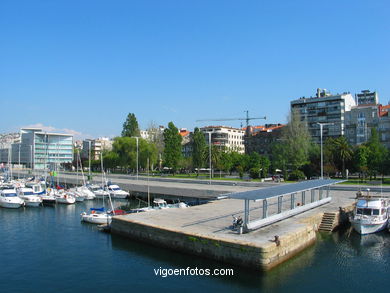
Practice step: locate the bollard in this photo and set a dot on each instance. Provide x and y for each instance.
(240, 230)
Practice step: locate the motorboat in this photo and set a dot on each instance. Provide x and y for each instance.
(30, 199)
(85, 192)
(371, 213)
(39, 189)
(97, 216)
(9, 199)
(160, 204)
(116, 192)
(99, 191)
(76, 194)
(64, 198)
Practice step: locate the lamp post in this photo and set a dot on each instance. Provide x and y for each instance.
(89, 160)
(19, 163)
(209, 133)
(136, 137)
(322, 156)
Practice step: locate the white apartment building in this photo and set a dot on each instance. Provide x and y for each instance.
(324, 108)
(230, 138)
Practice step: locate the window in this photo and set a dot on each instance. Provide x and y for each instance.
(375, 212)
(367, 212)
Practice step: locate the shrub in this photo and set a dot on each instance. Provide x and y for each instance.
(254, 173)
(296, 175)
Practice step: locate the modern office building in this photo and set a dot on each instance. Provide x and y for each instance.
(39, 150)
(324, 108)
(228, 137)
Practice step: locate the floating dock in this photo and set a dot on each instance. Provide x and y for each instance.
(206, 230)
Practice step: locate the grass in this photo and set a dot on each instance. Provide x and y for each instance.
(368, 182)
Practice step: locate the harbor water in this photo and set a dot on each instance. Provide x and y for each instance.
(48, 249)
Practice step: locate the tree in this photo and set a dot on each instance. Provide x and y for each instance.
(126, 149)
(155, 135)
(130, 126)
(292, 151)
(199, 148)
(265, 164)
(343, 151)
(377, 154)
(172, 149)
(147, 150)
(361, 159)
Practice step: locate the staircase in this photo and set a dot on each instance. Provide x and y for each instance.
(328, 223)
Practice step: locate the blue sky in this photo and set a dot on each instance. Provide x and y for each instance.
(84, 65)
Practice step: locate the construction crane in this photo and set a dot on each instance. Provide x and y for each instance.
(247, 119)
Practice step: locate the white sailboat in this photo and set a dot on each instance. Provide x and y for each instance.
(99, 215)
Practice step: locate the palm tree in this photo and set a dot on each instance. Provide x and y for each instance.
(343, 151)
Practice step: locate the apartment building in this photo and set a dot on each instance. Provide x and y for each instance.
(228, 137)
(324, 107)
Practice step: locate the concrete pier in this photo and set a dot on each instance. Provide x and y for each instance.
(206, 231)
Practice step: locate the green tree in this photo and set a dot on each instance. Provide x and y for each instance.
(199, 149)
(126, 149)
(110, 160)
(265, 164)
(172, 149)
(361, 159)
(292, 151)
(377, 154)
(130, 126)
(343, 151)
(226, 163)
(147, 150)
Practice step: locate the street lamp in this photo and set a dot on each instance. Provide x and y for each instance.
(89, 160)
(209, 133)
(322, 156)
(19, 163)
(136, 137)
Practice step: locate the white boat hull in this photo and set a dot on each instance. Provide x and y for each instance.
(368, 228)
(11, 205)
(66, 200)
(32, 203)
(119, 196)
(96, 218)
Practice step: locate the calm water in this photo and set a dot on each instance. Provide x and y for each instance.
(48, 250)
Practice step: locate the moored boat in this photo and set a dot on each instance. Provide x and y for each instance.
(9, 199)
(370, 214)
(30, 199)
(116, 192)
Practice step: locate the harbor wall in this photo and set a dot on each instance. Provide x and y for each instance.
(242, 253)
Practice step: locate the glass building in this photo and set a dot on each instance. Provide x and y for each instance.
(41, 150)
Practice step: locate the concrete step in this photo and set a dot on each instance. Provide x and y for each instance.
(328, 222)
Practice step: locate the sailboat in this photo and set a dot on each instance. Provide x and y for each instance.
(99, 215)
(83, 190)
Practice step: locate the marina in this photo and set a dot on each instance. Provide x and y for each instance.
(102, 262)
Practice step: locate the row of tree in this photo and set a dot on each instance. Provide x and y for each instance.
(294, 154)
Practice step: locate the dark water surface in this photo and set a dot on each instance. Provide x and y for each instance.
(47, 249)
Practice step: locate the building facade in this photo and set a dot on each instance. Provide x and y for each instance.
(39, 150)
(324, 108)
(231, 139)
(95, 147)
(260, 139)
(359, 122)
